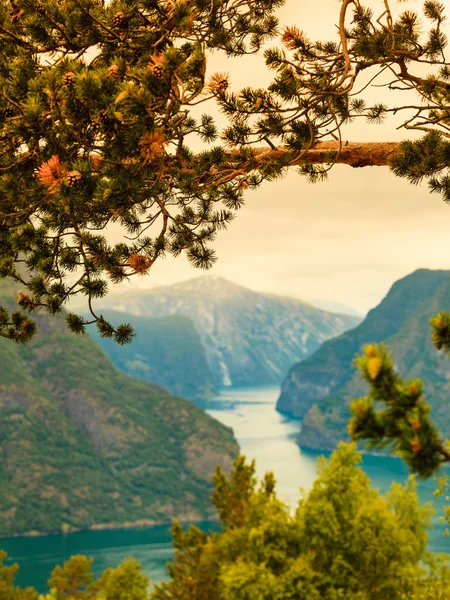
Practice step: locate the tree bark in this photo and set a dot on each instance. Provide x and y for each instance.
(364, 154)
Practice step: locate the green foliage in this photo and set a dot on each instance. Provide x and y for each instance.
(126, 582)
(403, 425)
(344, 541)
(72, 580)
(318, 88)
(75, 581)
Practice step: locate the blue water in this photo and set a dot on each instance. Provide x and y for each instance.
(263, 434)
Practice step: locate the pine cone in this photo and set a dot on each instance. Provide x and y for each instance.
(8, 113)
(39, 8)
(157, 72)
(69, 79)
(96, 127)
(114, 71)
(119, 19)
(104, 117)
(106, 123)
(73, 178)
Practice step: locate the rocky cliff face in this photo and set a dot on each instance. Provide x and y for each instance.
(320, 388)
(250, 338)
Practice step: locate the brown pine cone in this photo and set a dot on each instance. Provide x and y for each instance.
(119, 19)
(73, 178)
(104, 117)
(96, 127)
(114, 71)
(69, 79)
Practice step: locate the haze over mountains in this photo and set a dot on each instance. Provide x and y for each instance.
(319, 388)
(249, 338)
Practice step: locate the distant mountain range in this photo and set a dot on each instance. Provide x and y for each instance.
(83, 445)
(319, 388)
(249, 338)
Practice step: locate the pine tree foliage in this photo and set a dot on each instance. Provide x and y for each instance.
(96, 126)
(95, 129)
(395, 415)
(319, 87)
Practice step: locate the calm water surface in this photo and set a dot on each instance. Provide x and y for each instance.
(263, 434)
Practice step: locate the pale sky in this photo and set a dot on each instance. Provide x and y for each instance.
(347, 239)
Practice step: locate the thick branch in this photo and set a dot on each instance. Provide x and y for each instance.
(364, 154)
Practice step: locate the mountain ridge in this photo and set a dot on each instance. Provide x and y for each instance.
(250, 338)
(320, 388)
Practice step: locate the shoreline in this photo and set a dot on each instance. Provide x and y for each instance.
(140, 524)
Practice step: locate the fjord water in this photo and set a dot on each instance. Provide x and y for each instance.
(263, 434)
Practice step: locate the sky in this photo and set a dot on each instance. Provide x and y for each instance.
(344, 240)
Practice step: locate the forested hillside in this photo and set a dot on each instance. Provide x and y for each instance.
(83, 445)
(167, 351)
(320, 388)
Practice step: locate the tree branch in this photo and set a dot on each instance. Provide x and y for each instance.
(355, 154)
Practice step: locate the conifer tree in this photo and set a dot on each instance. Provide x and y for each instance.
(395, 416)
(95, 101)
(95, 129)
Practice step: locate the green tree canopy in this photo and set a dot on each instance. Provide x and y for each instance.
(96, 102)
(344, 541)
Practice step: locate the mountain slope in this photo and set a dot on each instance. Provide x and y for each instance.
(249, 338)
(320, 387)
(83, 445)
(167, 351)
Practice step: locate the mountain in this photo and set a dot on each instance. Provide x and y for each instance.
(320, 388)
(337, 307)
(167, 351)
(250, 338)
(83, 445)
